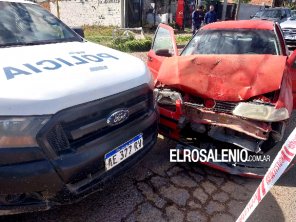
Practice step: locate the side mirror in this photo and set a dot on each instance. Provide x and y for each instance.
(79, 31)
(163, 52)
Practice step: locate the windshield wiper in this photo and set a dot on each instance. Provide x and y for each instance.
(14, 44)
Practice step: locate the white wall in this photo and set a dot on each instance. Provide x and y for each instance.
(89, 12)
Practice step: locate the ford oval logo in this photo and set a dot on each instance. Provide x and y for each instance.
(118, 117)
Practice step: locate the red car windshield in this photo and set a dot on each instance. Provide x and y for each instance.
(242, 41)
(29, 24)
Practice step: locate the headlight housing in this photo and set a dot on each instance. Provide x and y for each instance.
(167, 96)
(261, 112)
(20, 131)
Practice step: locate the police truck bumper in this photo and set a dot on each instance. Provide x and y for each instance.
(70, 162)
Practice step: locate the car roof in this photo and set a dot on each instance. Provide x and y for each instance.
(276, 8)
(241, 24)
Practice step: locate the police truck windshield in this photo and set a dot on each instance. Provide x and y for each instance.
(29, 24)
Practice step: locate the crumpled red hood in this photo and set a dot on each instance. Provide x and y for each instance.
(223, 77)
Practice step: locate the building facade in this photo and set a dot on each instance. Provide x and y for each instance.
(121, 13)
(89, 12)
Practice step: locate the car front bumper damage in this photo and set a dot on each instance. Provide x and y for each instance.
(194, 126)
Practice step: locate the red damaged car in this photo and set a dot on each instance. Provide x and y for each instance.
(230, 87)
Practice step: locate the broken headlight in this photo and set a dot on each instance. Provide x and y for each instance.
(167, 96)
(261, 112)
(20, 131)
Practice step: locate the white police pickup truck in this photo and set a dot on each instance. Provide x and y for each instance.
(73, 114)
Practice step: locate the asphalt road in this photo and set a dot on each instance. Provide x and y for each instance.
(157, 190)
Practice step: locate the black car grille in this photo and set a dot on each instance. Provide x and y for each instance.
(225, 107)
(220, 106)
(70, 129)
(57, 138)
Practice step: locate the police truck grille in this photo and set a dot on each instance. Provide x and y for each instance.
(58, 139)
(72, 128)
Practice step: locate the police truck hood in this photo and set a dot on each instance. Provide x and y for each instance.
(44, 79)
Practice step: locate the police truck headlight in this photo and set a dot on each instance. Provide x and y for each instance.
(20, 131)
(261, 112)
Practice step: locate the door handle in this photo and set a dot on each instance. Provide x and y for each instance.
(150, 59)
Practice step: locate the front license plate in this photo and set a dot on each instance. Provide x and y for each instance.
(124, 151)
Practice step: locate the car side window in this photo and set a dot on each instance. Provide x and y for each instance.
(163, 40)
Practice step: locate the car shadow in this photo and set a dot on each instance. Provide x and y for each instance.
(289, 178)
(267, 211)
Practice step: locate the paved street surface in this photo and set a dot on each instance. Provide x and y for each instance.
(157, 190)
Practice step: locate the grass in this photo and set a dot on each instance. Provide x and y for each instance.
(183, 39)
(106, 36)
(98, 30)
(99, 34)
